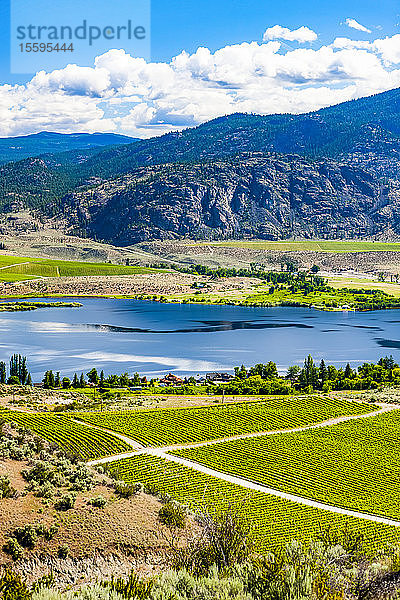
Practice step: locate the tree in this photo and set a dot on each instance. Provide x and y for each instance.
(75, 381)
(23, 371)
(48, 380)
(13, 380)
(323, 372)
(66, 383)
(93, 376)
(332, 373)
(293, 373)
(82, 382)
(3, 372)
(124, 380)
(309, 373)
(268, 371)
(136, 379)
(348, 372)
(18, 367)
(102, 378)
(29, 380)
(240, 373)
(57, 382)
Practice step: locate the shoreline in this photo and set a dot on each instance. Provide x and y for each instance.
(224, 302)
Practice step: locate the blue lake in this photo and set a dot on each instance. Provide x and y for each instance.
(153, 338)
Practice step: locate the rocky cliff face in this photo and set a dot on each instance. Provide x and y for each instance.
(259, 195)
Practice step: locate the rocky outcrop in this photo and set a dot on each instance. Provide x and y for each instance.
(265, 196)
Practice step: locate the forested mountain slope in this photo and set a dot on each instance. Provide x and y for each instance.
(329, 173)
(45, 142)
(257, 195)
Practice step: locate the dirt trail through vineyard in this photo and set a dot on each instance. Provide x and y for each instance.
(163, 452)
(139, 449)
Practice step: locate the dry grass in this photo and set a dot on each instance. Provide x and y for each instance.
(123, 526)
(354, 283)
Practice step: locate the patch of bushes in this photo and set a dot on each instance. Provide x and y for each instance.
(98, 501)
(66, 502)
(27, 537)
(6, 489)
(133, 587)
(127, 490)
(12, 586)
(63, 552)
(13, 549)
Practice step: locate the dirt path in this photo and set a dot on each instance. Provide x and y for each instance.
(14, 265)
(139, 449)
(251, 485)
(247, 483)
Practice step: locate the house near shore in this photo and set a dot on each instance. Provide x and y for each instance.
(218, 377)
(171, 379)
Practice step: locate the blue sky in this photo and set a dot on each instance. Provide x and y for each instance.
(238, 70)
(178, 25)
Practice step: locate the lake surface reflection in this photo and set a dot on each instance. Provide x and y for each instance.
(152, 338)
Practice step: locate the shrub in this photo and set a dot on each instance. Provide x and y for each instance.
(44, 491)
(26, 536)
(41, 473)
(133, 587)
(12, 587)
(65, 502)
(99, 502)
(223, 542)
(63, 552)
(173, 515)
(6, 489)
(13, 548)
(126, 490)
(181, 585)
(49, 533)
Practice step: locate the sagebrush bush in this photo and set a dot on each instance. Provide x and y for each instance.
(93, 592)
(66, 502)
(181, 585)
(13, 548)
(6, 489)
(98, 501)
(126, 490)
(12, 587)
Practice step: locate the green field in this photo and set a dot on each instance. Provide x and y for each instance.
(307, 245)
(185, 425)
(274, 521)
(84, 442)
(352, 465)
(19, 268)
(360, 299)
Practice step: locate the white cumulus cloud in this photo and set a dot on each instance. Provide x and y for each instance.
(356, 25)
(124, 93)
(302, 34)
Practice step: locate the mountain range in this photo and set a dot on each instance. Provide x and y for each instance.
(46, 142)
(330, 173)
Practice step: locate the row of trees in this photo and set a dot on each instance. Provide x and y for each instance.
(18, 371)
(312, 376)
(54, 381)
(259, 379)
(288, 274)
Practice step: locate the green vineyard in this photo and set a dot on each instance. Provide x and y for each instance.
(352, 465)
(185, 425)
(81, 441)
(274, 521)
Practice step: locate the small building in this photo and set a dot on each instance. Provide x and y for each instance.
(171, 379)
(219, 377)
